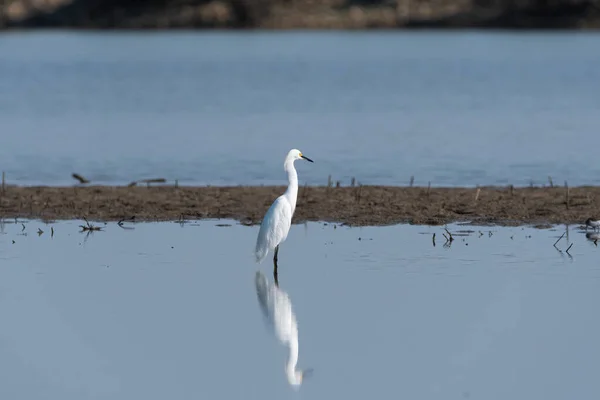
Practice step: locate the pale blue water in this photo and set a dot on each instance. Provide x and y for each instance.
(170, 311)
(453, 108)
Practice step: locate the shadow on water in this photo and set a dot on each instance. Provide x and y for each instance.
(276, 307)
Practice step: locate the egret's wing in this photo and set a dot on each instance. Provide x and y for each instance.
(274, 227)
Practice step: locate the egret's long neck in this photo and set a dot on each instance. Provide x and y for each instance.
(292, 191)
(290, 368)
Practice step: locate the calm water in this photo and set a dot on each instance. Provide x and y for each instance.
(224, 108)
(170, 311)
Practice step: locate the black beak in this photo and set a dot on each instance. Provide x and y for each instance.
(307, 159)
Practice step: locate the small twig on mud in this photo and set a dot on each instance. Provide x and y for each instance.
(559, 250)
(557, 240)
(569, 248)
(181, 220)
(433, 239)
(89, 227)
(130, 219)
(39, 232)
(358, 192)
(80, 178)
(449, 234)
(449, 240)
(23, 225)
(51, 231)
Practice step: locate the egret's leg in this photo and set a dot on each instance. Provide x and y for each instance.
(275, 276)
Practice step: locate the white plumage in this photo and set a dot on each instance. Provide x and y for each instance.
(277, 221)
(274, 227)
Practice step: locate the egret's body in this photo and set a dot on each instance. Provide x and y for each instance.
(277, 221)
(277, 309)
(275, 225)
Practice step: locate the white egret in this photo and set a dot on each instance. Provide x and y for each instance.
(277, 221)
(277, 309)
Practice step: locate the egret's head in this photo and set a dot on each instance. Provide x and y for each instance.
(296, 154)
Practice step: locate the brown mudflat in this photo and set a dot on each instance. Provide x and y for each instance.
(364, 205)
(297, 14)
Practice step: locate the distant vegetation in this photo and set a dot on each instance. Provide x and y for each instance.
(288, 14)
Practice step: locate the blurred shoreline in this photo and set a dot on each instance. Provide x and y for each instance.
(299, 14)
(354, 205)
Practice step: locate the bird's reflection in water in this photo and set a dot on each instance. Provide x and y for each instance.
(593, 237)
(277, 309)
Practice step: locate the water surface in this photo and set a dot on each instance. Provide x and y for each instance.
(453, 108)
(170, 311)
